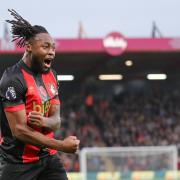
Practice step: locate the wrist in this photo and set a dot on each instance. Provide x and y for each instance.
(45, 122)
(60, 145)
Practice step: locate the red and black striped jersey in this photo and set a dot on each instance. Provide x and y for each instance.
(21, 88)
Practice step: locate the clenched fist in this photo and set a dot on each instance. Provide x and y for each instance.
(36, 119)
(70, 144)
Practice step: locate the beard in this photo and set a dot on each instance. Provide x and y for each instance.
(37, 65)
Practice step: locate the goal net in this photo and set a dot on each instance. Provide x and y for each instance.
(126, 162)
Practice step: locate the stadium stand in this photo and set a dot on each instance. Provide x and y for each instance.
(144, 116)
(132, 112)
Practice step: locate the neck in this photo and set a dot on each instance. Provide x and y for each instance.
(27, 59)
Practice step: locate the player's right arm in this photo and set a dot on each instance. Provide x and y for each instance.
(21, 131)
(12, 93)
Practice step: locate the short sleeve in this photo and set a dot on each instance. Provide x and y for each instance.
(12, 93)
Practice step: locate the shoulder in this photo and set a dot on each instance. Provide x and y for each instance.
(11, 74)
(54, 72)
(12, 79)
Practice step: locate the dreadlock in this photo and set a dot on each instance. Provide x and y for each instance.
(22, 30)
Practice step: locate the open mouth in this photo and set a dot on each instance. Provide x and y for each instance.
(47, 63)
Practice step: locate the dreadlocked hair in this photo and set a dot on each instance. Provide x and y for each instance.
(22, 30)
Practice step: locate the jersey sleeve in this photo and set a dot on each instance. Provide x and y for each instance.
(12, 93)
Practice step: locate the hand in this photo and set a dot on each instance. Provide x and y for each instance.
(70, 144)
(36, 119)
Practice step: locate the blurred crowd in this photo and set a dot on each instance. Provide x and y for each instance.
(147, 117)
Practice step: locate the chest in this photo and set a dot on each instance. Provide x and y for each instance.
(41, 89)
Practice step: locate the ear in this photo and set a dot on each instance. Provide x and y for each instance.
(28, 47)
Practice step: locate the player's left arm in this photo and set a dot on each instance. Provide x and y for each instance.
(52, 122)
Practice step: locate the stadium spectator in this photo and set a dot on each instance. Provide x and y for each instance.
(146, 118)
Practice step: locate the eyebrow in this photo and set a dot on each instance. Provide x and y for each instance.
(48, 43)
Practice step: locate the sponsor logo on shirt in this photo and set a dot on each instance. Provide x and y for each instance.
(42, 108)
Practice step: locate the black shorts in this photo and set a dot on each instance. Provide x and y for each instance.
(49, 168)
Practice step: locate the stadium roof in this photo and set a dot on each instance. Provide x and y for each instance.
(87, 57)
